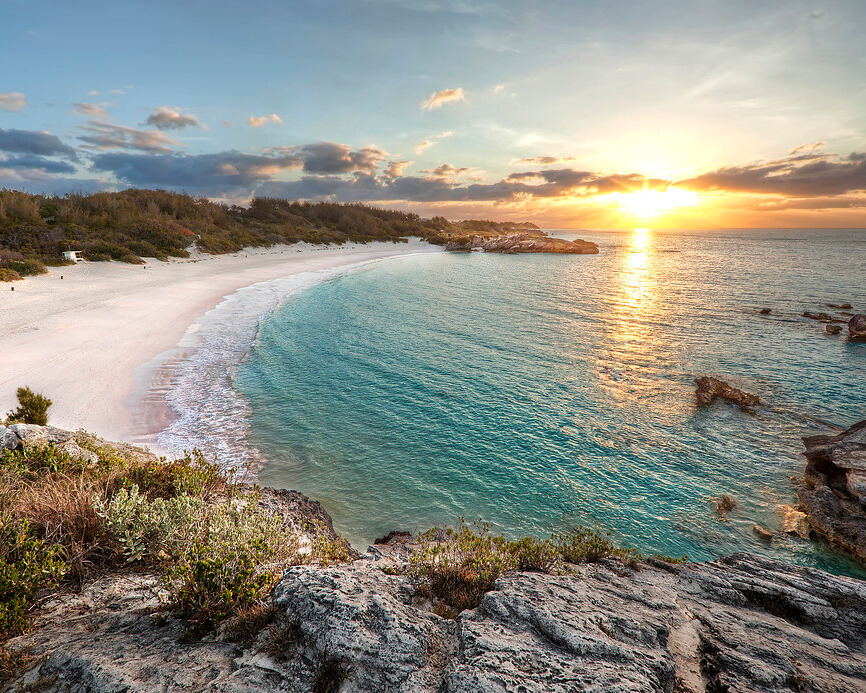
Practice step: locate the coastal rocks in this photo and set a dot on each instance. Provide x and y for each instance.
(742, 623)
(765, 311)
(523, 243)
(711, 389)
(795, 522)
(832, 329)
(762, 532)
(833, 493)
(857, 328)
(20, 436)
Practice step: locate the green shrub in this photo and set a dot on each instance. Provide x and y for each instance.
(27, 266)
(191, 474)
(27, 566)
(581, 545)
(32, 408)
(8, 275)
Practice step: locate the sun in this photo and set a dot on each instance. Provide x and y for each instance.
(650, 203)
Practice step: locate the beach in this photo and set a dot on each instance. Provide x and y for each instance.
(90, 336)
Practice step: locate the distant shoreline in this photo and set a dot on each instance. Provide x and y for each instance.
(84, 340)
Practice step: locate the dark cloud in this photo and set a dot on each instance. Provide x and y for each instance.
(214, 174)
(446, 171)
(166, 118)
(808, 175)
(34, 162)
(34, 142)
(102, 136)
(332, 158)
(53, 185)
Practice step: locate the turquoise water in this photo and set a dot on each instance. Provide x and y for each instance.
(544, 391)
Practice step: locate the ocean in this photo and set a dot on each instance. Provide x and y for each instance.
(541, 392)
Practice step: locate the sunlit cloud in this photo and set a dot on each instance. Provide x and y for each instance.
(103, 136)
(440, 98)
(93, 110)
(433, 139)
(167, 118)
(259, 121)
(13, 101)
(544, 160)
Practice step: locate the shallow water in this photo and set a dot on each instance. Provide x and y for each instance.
(544, 391)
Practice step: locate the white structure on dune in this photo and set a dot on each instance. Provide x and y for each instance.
(74, 255)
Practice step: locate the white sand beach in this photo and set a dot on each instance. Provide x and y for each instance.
(80, 334)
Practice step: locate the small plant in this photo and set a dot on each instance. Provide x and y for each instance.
(581, 545)
(32, 408)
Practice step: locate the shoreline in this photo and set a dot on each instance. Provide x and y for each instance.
(104, 342)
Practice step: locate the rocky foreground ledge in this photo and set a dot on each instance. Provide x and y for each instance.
(742, 623)
(529, 242)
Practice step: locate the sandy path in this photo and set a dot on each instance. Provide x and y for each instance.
(80, 339)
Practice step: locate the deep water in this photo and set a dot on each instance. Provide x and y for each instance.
(545, 391)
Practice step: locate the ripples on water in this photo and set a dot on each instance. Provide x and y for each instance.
(544, 391)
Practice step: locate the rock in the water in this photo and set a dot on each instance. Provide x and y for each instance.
(833, 487)
(711, 389)
(832, 329)
(524, 243)
(765, 311)
(840, 306)
(725, 504)
(742, 623)
(762, 532)
(394, 537)
(857, 328)
(795, 521)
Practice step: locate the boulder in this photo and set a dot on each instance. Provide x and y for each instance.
(20, 436)
(765, 311)
(523, 243)
(710, 389)
(832, 329)
(795, 521)
(834, 485)
(857, 328)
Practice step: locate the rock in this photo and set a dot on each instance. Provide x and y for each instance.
(20, 436)
(394, 537)
(523, 243)
(741, 623)
(762, 532)
(840, 306)
(817, 316)
(832, 487)
(857, 328)
(795, 522)
(765, 311)
(725, 504)
(832, 329)
(710, 389)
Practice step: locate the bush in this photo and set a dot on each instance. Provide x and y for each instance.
(8, 275)
(27, 566)
(32, 408)
(27, 266)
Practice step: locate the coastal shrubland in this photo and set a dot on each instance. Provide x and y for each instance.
(32, 408)
(129, 225)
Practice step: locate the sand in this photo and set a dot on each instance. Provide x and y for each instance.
(84, 340)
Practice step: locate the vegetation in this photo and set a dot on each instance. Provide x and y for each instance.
(129, 225)
(64, 518)
(458, 566)
(32, 408)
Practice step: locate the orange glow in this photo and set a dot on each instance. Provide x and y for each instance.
(650, 203)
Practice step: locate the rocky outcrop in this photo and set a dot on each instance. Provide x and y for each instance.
(857, 328)
(710, 389)
(523, 243)
(20, 436)
(742, 623)
(833, 493)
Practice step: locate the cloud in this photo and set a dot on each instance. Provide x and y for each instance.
(213, 174)
(330, 157)
(259, 121)
(167, 118)
(51, 185)
(34, 142)
(430, 141)
(499, 88)
(395, 169)
(446, 171)
(544, 160)
(800, 175)
(90, 109)
(102, 136)
(34, 162)
(813, 147)
(13, 101)
(440, 98)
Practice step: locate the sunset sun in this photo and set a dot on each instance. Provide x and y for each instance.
(650, 203)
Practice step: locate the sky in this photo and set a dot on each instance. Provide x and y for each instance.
(570, 113)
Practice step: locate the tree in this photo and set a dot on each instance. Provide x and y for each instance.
(32, 408)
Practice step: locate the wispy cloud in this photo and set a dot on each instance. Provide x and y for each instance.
(440, 98)
(544, 160)
(13, 101)
(93, 110)
(433, 139)
(103, 136)
(168, 118)
(259, 121)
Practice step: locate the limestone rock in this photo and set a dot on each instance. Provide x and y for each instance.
(833, 486)
(795, 521)
(523, 243)
(711, 389)
(857, 328)
(742, 623)
(832, 329)
(19, 436)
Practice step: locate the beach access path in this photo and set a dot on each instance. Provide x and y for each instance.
(80, 339)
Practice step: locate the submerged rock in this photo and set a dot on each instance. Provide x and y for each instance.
(857, 328)
(711, 389)
(765, 311)
(834, 487)
(832, 329)
(742, 623)
(523, 243)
